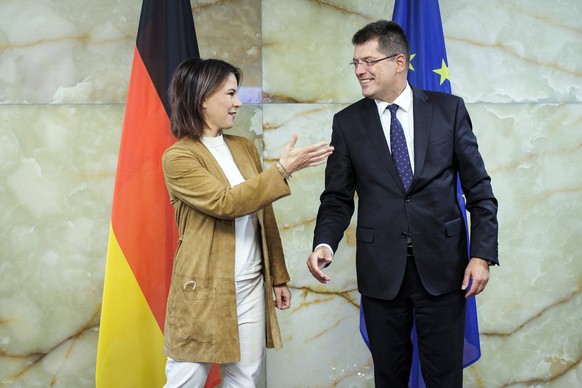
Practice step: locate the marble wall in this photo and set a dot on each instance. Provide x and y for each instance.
(64, 70)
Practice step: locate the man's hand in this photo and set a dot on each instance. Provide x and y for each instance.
(282, 296)
(319, 259)
(478, 271)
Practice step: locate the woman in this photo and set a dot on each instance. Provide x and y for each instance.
(229, 261)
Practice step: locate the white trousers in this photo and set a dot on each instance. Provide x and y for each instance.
(250, 303)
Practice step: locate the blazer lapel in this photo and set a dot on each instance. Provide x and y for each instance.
(422, 129)
(373, 125)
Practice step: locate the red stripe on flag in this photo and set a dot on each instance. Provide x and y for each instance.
(213, 378)
(142, 217)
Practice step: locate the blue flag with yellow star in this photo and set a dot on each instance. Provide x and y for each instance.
(421, 21)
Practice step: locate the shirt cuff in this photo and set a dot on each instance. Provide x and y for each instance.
(326, 246)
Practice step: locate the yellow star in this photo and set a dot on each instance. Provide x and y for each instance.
(443, 72)
(410, 62)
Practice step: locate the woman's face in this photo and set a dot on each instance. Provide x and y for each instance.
(220, 107)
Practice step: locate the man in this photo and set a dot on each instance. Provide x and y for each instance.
(400, 149)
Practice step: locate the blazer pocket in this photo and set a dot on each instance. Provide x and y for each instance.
(454, 227)
(192, 315)
(365, 234)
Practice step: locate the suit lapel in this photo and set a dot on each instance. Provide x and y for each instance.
(373, 125)
(422, 129)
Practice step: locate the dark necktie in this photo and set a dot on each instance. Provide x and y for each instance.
(399, 149)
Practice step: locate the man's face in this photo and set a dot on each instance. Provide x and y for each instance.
(378, 81)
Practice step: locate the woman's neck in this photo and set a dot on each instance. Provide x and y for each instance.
(210, 132)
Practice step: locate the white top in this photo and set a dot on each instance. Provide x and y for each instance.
(405, 116)
(247, 255)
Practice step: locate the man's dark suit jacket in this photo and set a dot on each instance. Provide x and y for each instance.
(428, 214)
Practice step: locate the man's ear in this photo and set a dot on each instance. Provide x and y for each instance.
(401, 62)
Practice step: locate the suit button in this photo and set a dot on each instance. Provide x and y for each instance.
(403, 235)
(407, 199)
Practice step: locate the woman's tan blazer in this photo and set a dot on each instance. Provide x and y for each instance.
(201, 318)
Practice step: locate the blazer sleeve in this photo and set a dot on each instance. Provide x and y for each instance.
(189, 180)
(277, 266)
(337, 200)
(476, 185)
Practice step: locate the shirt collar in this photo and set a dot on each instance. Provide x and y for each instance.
(404, 101)
(213, 141)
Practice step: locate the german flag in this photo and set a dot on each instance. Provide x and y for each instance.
(143, 234)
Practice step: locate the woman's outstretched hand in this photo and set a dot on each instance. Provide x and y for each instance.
(295, 159)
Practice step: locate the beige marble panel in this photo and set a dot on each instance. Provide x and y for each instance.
(231, 30)
(81, 52)
(514, 51)
(57, 167)
(66, 51)
(530, 315)
(307, 47)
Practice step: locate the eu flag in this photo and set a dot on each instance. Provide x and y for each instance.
(421, 21)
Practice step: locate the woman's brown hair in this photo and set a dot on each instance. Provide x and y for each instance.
(193, 82)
